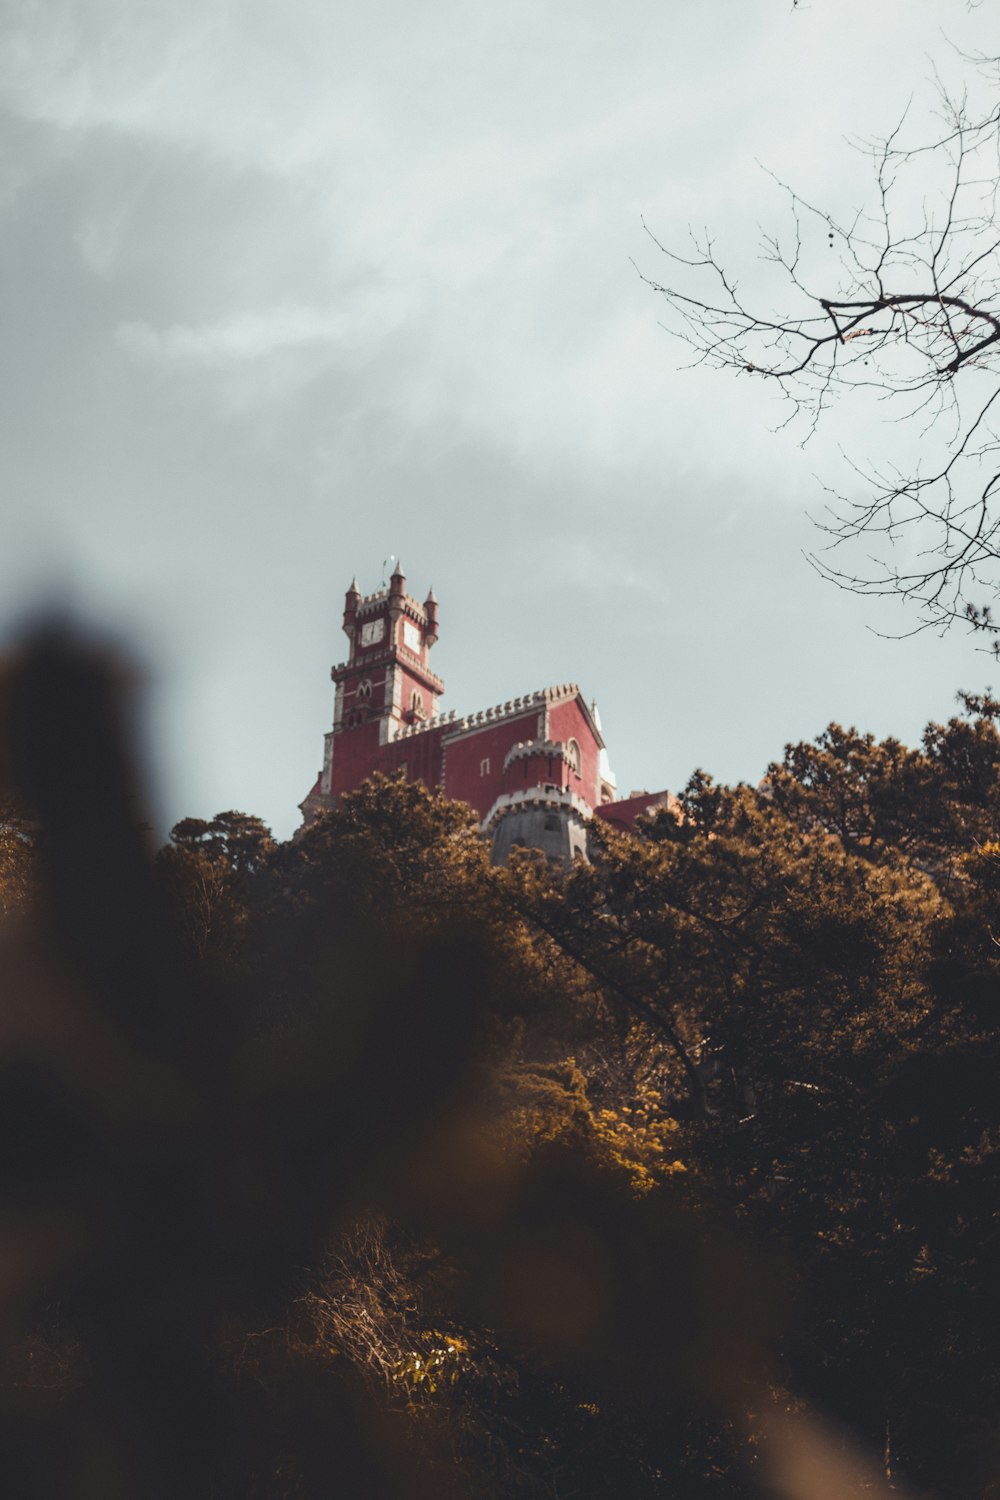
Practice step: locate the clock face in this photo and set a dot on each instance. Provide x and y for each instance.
(411, 636)
(373, 631)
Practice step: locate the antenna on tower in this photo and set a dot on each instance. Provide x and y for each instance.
(385, 563)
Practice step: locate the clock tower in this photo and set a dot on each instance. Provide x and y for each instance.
(386, 683)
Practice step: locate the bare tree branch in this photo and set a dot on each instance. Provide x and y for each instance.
(906, 314)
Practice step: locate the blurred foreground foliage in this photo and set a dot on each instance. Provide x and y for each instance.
(357, 1167)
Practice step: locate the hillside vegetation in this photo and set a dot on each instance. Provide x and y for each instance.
(358, 1167)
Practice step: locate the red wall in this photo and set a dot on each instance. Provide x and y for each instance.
(355, 756)
(420, 754)
(413, 684)
(457, 764)
(376, 676)
(567, 721)
(489, 741)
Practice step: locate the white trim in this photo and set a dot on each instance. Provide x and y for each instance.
(537, 796)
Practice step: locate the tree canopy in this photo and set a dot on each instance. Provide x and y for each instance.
(373, 1168)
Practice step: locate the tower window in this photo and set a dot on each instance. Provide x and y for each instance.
(573, 757)
(417, 705)
(364, 688)
(484, 767)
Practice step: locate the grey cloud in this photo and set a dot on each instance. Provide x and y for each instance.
(286, 288)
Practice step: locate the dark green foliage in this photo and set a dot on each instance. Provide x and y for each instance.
(356, 1166)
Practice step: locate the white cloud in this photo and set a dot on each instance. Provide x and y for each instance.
(99, 242)
(484, 169)
(255, 335)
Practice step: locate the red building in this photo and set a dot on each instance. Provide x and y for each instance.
(534, 768)
(622, 814)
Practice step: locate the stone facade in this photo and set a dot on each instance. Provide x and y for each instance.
(533, 768)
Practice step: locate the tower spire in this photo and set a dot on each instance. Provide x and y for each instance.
(351, 601)
(431, 611)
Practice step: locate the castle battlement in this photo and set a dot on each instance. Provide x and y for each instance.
(427, 726)
(538, 798)
(372, 604)
(528, 749)
(375, 659)
(513, 708)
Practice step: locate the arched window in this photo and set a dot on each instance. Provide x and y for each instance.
(417, 704)
(573, 757)
(364, 688)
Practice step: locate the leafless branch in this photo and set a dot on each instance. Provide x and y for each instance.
(905, 313)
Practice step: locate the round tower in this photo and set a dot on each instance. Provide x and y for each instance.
(554, 822)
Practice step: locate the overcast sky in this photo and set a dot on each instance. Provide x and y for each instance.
(291, 287)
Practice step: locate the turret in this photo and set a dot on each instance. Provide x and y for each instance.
(431, 611)
(351, 601)
(397, 582)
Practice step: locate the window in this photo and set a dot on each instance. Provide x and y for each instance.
(417, 705)
(484, 767)
(364, 688)
(553, 823)
(573, 757)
